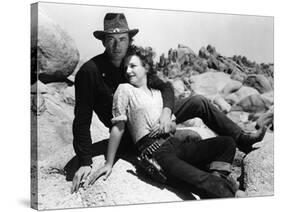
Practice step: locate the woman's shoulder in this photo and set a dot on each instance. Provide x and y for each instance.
(125, 86)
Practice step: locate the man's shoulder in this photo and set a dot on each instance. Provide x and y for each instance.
(90, 66)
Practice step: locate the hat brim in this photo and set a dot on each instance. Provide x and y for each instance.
(100, 34)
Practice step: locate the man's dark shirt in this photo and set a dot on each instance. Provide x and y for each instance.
(95, 84)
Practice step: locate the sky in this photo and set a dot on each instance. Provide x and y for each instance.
(250, 36)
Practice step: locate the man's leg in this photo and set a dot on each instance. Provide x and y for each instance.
(174, 164)
(199, 106)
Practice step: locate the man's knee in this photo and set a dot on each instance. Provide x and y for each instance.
(199, 100)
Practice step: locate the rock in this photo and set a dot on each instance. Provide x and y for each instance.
(222, 104)
(178, 86)
(265, 119)
(203, 132)
(180, 89)
(38, 105)
(195, 122)
(260, 82)
(55, 123)
(173, 70)
(203, 53)
(39, 88)
(231, 87)
(237, 96)
(183, 53)
(238, 75)
(269, 96)
(126, 186)
(254, 103)
(259, 169)
(209, 84)
(57, 54)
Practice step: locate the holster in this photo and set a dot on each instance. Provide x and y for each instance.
(147, 162)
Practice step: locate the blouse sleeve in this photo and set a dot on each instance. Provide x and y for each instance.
(120, 104)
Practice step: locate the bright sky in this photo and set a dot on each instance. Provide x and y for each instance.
(250, 36)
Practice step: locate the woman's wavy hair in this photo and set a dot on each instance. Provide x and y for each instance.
(146, 56)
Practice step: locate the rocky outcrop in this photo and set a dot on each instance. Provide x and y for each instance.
(240, 94)
(259, 82)
(259, 169)
(218, 78)
(209, 84)
(253, 103)
(56, 52)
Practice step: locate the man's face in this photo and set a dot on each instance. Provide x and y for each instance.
(116, 45)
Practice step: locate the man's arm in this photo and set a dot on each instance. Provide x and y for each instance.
(83, 115)
(167, 92)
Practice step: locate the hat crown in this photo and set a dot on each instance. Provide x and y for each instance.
(115, 22)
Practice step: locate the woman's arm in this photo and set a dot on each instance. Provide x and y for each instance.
(116, 134)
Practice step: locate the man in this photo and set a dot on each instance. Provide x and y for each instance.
(95, 84)
(97, 80)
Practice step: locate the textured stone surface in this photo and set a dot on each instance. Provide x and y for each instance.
(55, 102)
(209, 84)
(253, 103)
(260, 82)
(57, 54)
(241, 93)
(259, 169)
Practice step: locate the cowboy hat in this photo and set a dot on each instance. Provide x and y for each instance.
(115, 23)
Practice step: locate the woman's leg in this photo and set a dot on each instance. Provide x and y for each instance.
(217, 150)
(175, 165)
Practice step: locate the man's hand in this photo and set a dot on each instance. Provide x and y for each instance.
(80, 176)
(165, 126)
(105, 170)
(165, 121)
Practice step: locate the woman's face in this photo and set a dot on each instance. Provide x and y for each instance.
(136, 72)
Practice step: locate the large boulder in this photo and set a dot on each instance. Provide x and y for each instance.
(265, 119)
(183, 53)
(231, 87)
(126, 185)
(223, 105)
(237, 74)
(57, 54)
(209, 84)
(259, 169)
(54, 114)
(240, 94)
(254, 104)
(260, 82)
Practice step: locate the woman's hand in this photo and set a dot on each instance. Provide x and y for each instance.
(105, 170)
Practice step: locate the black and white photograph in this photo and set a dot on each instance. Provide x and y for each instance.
(135, 106)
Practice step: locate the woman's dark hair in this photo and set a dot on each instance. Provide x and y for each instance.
(146, 56)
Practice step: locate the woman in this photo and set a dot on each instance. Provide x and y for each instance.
(139, 106)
